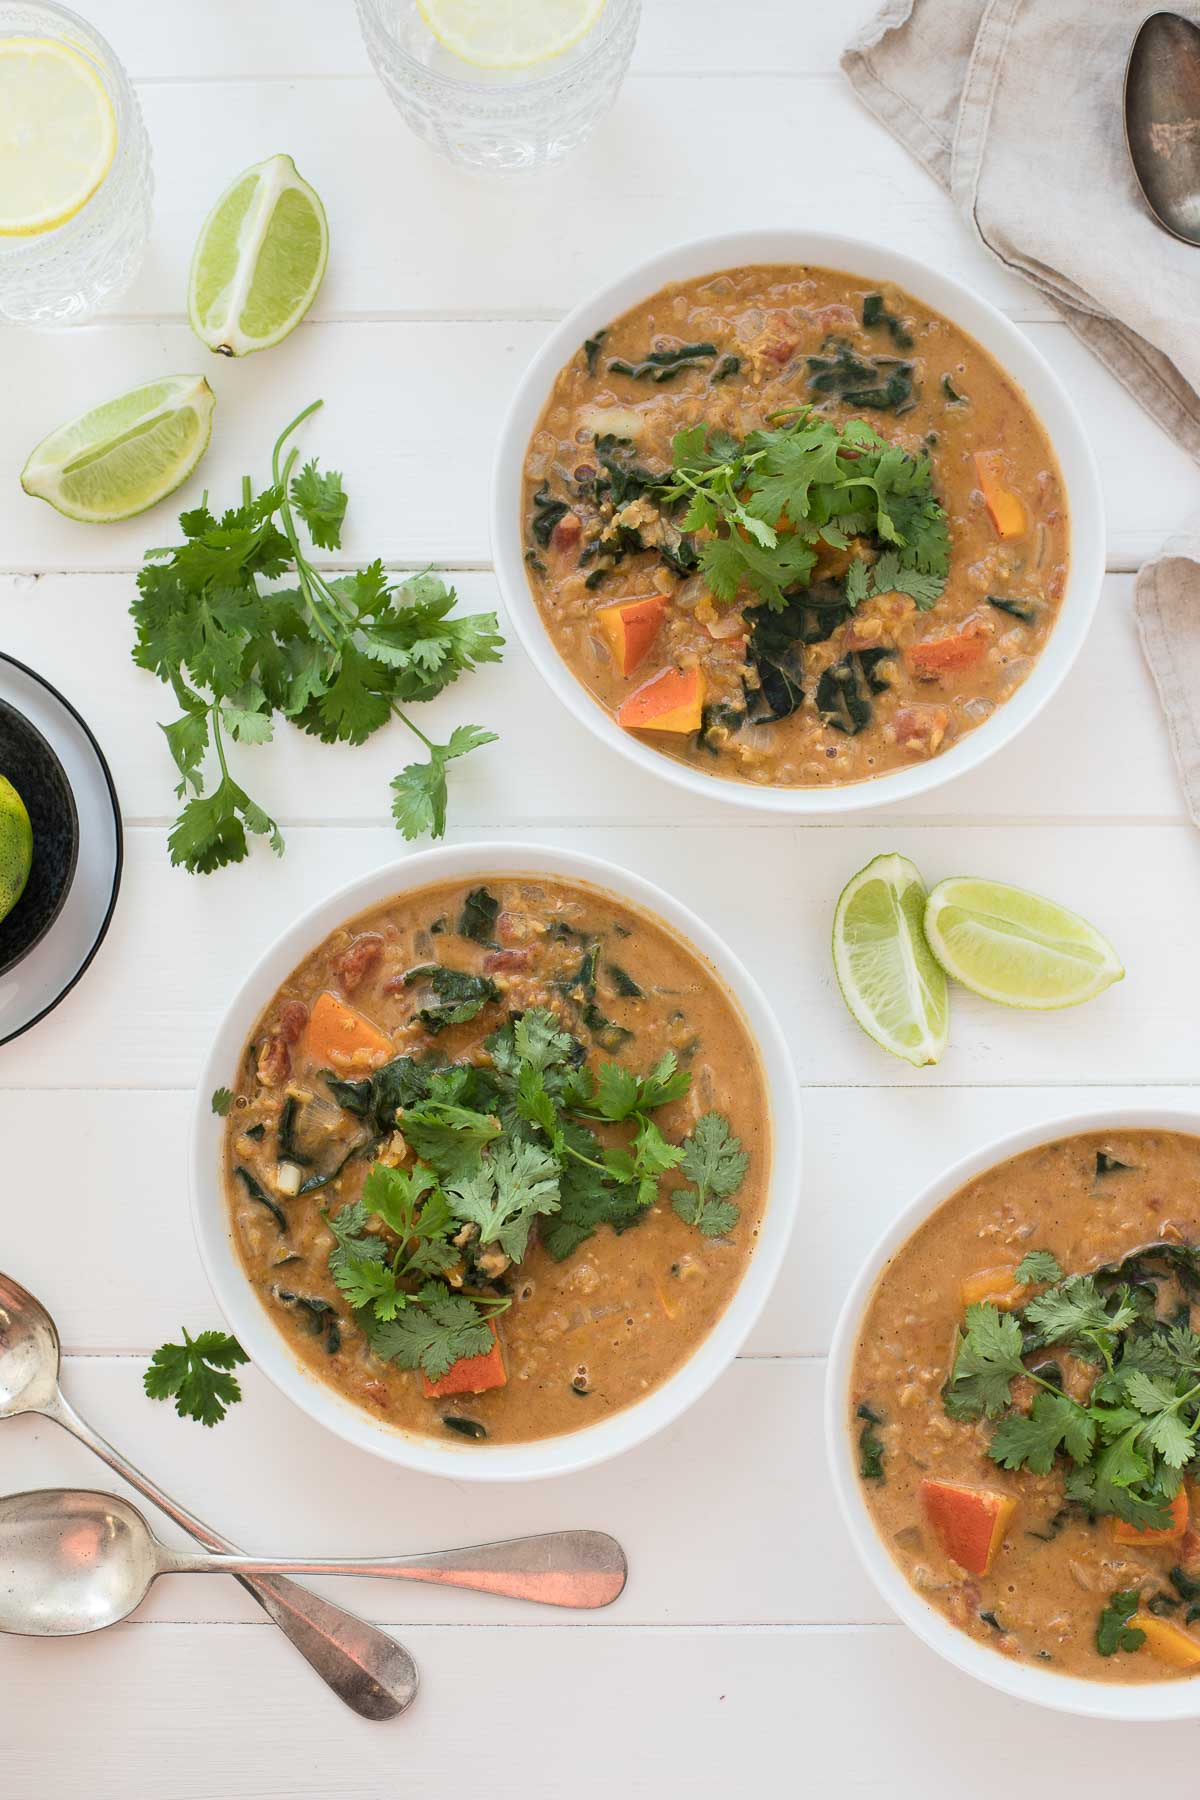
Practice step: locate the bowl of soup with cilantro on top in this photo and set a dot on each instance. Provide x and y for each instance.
(790, 519)
(1013, 1415)
(495, 1158)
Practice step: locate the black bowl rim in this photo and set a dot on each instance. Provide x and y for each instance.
(6, 706)
(119, 861)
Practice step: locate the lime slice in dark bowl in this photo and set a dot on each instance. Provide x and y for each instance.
(32, 767)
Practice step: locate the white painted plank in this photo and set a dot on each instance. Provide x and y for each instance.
(1100, 751)
(224, 1714)
(128, 1287)
(313, 38)
(412, 412)
(178, 945)
(748, 1446)
(412, 234)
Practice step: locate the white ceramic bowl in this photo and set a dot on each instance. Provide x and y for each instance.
(874, 262)
(1172, 1699)
(248, 1318)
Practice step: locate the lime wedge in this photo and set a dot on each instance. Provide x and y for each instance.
(16, 846)
(126, 455)
(259, 260)
(888, 979)
(58, 134)
(510, 36)
(1012, 946)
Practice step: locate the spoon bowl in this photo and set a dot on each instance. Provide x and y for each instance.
(71, 1561)
(1162, 121)
(29, 1353)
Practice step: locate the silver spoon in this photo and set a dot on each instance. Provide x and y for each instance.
(376, 1677)
(72, 1561)
(1162, 121)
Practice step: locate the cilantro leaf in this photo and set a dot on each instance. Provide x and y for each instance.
(211, 830)
(988, 1360)
(1113, 1630)
(505, 1193)
(434, 1330)
(450, 1138)
(715, 1161)
(222, 1100)
(420, 791)
(321, 502)
(1038, 1265)
(1032, 1440)
(196, 1374)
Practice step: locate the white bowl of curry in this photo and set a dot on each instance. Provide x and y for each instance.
(792, 520)
(495, 1158)
(1013, 1412)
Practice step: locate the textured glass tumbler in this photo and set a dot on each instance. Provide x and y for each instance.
(500, 121)
(60, 277)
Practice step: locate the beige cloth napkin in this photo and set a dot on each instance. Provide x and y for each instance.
(1015, 107)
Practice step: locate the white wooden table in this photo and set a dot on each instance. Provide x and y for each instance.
(749, 1654)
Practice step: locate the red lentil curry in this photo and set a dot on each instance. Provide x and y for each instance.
(792, 529)
(1026, 1402)
(496, 1158)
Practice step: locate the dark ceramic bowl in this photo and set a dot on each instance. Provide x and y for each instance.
(35, 771)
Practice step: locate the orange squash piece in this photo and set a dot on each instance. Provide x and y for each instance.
(672, 700)
(470, 1374)
(948, 655)
(1125, 1533)
(631, 629)
(340, 1038)
(1170, 1643)
(1006, 509)
(994, 1287)
(970, 1522)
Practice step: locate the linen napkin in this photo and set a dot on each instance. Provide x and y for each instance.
(1015, 107)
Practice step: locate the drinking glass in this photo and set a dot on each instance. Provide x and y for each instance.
(61, 276)
(498, 120)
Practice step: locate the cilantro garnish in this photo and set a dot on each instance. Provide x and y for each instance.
(498, 1148)
(1113, 1630)
(338, 656)
(196, 1374)
(767, 501)
(1038, 1265)
(1125, 1446)
(222, 1100)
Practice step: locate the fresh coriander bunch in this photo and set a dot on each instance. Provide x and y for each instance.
(338, 656)
(765, 503)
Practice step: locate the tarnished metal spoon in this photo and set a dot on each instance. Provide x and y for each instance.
(72, 1560)
(375, 1676)
(1162, 120)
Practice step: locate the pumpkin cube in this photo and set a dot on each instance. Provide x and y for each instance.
(1170, 1643)
(970, 1522)
(994, 1287)
(470, 1374)
(1006, 509)
(631, 629)
(672, 700)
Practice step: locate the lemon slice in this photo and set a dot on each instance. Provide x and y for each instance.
(58, 134)
(1015, 947)
(126, 455)
(259, 260)
(509, 34)
(890, 982)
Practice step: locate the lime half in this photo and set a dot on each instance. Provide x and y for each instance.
(259, 260)
(513, 35)
(1015, 947)
(888, 979)
(126, 455)
(58, 134)
(16, 846)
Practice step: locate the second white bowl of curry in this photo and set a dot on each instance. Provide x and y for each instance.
(508, 1164)
(1012, 1414)
(820, 670)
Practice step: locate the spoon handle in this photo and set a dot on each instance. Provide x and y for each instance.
(558, 1568)
(375, 1676)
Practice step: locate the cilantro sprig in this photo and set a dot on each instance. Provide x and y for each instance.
(1126, 1445)
(338, 656)
(766, 501)
(499, 1148)
(196, 1374)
